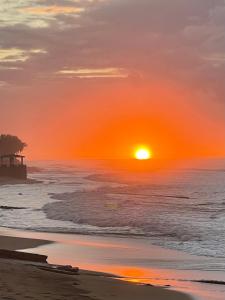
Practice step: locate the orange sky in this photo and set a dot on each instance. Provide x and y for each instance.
(110, 120)
(79, 88)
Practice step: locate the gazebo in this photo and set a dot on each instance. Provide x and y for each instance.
(12, 165)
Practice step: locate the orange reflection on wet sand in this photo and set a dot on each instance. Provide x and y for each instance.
(139, 275)
(99, 245)
(130, 274)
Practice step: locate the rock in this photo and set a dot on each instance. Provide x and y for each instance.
(68, 268)
(9, 254)
(11, 207)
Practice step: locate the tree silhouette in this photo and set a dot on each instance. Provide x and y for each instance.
(10, 144)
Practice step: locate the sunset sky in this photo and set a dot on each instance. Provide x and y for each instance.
(96, 78)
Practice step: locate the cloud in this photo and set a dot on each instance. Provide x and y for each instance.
(37, 14)
(140, 46)
(52, 10)
(41, 13)
(94, 73)
(179, 40)
(155, 38)
(217, 59)
(11, 55)
(3, 84)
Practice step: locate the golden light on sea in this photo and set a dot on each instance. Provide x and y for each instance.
(143, 153)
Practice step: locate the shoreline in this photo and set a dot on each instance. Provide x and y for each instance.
(132, 258)
(14, 181)
(86, 285)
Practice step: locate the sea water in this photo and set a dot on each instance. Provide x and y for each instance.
(180, 208)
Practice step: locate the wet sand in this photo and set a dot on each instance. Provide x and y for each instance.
(14, 181)
(20, 280)
(17, 243)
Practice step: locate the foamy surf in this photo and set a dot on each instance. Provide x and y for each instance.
(180, 209)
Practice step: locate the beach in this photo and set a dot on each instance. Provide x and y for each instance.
(112, 150)
(22, 280)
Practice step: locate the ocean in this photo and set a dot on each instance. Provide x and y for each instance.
(180, 208)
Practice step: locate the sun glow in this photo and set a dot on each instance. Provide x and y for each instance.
(143, 153)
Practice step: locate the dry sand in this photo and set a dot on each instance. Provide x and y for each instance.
(19, 281)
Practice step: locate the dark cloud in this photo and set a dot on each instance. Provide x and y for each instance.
(181, 40)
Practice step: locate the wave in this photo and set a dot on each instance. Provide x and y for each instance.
(183, 209)
(218, 282)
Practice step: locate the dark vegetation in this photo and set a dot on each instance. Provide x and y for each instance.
(10, 144)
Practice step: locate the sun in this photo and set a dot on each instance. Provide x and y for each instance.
(143, 153)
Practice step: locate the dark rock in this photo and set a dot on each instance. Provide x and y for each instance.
(11, 207)
(68, 268)
(10, 254)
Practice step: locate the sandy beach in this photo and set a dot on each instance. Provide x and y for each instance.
(22, 280)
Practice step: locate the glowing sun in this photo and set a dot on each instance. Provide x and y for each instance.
(143, 154)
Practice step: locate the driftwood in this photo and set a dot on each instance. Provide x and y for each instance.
(69, 270)
(9, 254)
